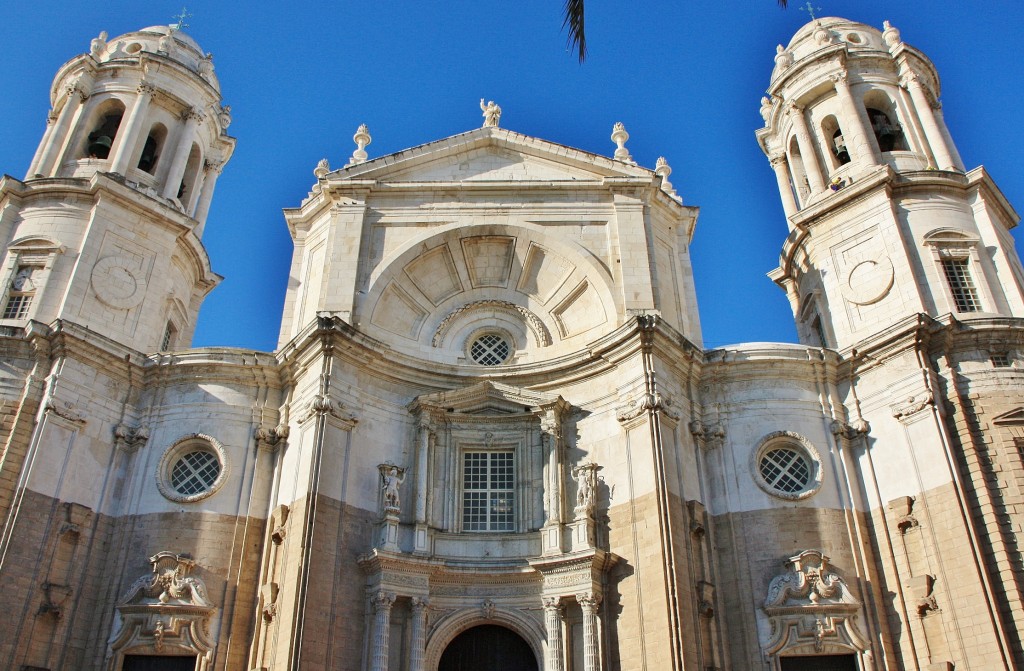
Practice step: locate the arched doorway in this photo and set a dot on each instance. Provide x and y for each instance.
(488, 647)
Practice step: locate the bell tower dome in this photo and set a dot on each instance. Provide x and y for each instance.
(105, 229)
(884, 221)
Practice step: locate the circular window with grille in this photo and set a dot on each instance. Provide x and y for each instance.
(191, 469)
(490, 349)
(786, 465)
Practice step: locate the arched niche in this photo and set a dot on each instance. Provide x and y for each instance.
(447, 629)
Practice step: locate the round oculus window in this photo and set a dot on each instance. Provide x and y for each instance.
(786, 469)
(192, 469)
(490, 349)
(786, 465)
(195, 472)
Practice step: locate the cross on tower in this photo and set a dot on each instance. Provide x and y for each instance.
(810, 9)
(181, 19)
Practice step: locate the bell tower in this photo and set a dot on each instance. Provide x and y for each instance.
(884, 220)
(105, 229)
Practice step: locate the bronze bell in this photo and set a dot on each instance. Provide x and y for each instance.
(100, 147)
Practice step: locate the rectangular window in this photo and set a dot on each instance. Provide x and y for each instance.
(819, 330)
(22, 290)
(488, 491)
(1001, 360)
(168, 338)
(961, 285)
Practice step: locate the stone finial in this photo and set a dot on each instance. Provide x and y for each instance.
(821, 35)
(783, 59)
(891, 35)
(619, 137)
(663, 169)
(362, 139)
(98, 45)
(224, 117)
(166, 43)
(766, 108)
(206, 66)
(491, 113)
(321, 169)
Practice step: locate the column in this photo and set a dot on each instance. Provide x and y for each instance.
(808, 150)
(549, 425)
(932, 132)
(51, 122)
(418, 634)
(782, 176)
(212, 170)
(591, 652)
(382, 602)
(856, 131)
(192, 118)
(553, 624)
(426, 437)
(57, 137)
(129, 137)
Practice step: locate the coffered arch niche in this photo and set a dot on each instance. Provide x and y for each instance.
(548, 296)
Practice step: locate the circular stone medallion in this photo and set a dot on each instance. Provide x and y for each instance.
(117, 283)
(869, 281)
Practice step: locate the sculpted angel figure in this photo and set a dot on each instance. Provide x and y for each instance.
(492, 113)
(391, 482)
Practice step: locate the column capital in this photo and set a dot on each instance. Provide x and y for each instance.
(192, 114)
(419, 603)
(589, 601)
(778, 160)
(382, 601)
(840, 78)
(553, 603)
(145, 89)
(793, 109)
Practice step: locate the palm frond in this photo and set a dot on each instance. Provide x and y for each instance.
(573, 20)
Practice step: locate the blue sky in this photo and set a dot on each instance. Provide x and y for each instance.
(684, 77)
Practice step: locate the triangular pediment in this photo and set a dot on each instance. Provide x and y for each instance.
(1012, 417)
(490, 155)
(490, 398)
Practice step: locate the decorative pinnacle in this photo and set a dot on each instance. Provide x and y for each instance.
(181, 20)
(322, 168)
(362, 139)
(663, 169)
(619, 137)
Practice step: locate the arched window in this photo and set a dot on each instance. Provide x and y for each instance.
(797, 171)
(190, 180)
(835, 141)
(104, 130)
(884, 122)
(151, 150)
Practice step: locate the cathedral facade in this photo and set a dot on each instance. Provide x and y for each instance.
(490, 437)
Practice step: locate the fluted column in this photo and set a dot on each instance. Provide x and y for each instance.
(591, 651)
(932, 132)
(129, 137)
(212, 170)
(808, 151)
(192, 117)
(418, 633)
(856, 132)
(58, 136)
(553, 624)
(782, 176)
(422, 460)
(382, 602)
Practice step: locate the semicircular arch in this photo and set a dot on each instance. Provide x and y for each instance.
(447, 629)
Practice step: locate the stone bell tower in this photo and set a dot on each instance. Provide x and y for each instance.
(884, 220)
(104, 231)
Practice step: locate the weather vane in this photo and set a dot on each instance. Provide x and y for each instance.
(810, 10)
(185, 15)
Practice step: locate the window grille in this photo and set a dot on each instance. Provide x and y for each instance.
(1001, 360)
(488, 491)
(168, 339)
(195, 472)
(961, 285)
(490, 350)
(785, 469)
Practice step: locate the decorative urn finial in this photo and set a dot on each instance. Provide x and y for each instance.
(321, 169)
(619, 137)
(891, 35)
(663, 169)
(362, 139)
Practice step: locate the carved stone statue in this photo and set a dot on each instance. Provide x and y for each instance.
(492, 113)
(585, 476)
(391, 479)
